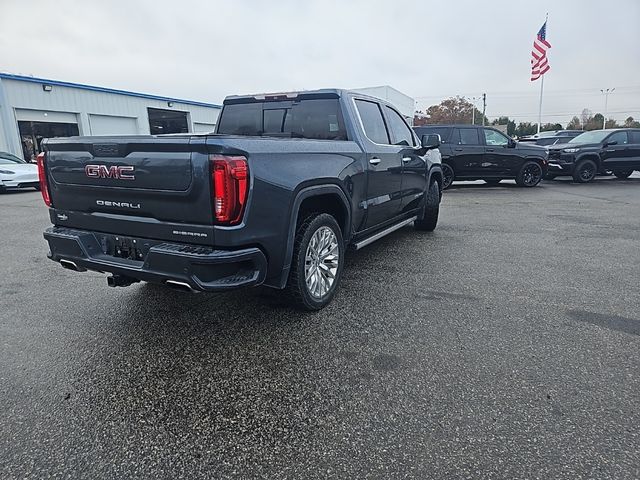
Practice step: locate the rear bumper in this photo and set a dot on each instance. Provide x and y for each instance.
(17, 184)
(202, 268)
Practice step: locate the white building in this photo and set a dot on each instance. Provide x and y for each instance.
(405, 104)
(35, 108)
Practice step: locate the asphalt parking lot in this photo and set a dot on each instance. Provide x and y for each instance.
(504, 345)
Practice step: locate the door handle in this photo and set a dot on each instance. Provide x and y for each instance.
(406, 159)
(374, 161)
(490, 149)
(458, 149)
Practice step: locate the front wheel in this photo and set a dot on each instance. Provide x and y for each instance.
(318, 259)
(530, 174)
(428, 220)
(447, 176)
(585, 171)
(622, 175)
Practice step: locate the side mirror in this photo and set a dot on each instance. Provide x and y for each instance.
(606, 144)
(430, 141)
(512, 143)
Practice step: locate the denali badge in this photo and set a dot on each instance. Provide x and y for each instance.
(124, 172)
(108, 203)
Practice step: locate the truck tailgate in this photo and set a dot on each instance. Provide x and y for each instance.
(144, 178)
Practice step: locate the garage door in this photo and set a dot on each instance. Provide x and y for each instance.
(112, 125)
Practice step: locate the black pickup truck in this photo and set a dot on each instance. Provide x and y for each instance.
(274, 197)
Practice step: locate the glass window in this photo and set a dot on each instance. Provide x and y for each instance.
(318, 119)
(634, 137)
(273, 120)
(372, 121)
(466, 136)
(619, 137)
(442, 131)
(493, 137)
(400, 131)
(167, 121)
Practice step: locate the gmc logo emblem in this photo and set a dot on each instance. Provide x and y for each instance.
(102, 171)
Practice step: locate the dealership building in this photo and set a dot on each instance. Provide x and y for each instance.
(32, 109)
(35, 108)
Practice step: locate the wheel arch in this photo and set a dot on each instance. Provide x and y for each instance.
(325, 198)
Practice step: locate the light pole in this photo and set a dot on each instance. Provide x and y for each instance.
(606, 93)
(473, 111)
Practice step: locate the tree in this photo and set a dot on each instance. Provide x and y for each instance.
(526, 128)
(511, 125)
(550, 127)
(574, 124)
(631, 123)
(611, 123)
(453, 110)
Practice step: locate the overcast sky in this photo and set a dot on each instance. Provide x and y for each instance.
(427, 49)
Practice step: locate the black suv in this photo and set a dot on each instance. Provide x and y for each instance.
(551, 138)
(483, 153)
(596, 152)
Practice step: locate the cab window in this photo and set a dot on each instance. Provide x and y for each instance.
(466, 136)
(619, 137)
(400, 132)
(495, 138)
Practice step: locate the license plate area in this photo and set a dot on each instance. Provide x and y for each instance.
(124, 247)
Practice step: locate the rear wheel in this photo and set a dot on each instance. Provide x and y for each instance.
(585, 171)
(429, 219)
(447, 176)
(492, 181)
(318, 259)
(530, 174)
(622, 175)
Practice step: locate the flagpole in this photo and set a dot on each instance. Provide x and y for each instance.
(540, 105)
(546, 20)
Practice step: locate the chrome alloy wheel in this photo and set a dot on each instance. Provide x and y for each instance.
(321, 262)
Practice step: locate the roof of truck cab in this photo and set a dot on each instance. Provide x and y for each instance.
(283, 96)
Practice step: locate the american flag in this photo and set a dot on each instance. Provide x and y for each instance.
(539, 62)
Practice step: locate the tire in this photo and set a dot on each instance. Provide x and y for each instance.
(529, 175)
(585, 171)
(447, 176)
(429, 218)
(622, 175)
(492, 181)
(324, 281)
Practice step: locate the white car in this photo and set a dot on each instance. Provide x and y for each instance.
(16, 173)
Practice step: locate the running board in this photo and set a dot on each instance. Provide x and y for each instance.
(386, 231)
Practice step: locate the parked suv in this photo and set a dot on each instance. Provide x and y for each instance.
(596, 152)
(551, 138)
(483, 153)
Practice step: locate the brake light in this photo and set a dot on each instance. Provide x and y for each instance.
(230, 182)
(42, 178)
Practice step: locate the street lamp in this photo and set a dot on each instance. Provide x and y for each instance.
(473, 110)
(606, 93)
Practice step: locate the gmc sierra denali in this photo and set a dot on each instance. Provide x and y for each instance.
(275, 196)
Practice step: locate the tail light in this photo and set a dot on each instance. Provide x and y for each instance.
(42, 177)
(230, 181)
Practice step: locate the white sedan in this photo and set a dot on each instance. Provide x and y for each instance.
(16, 173)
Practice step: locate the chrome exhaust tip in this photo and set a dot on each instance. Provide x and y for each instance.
(182, 286)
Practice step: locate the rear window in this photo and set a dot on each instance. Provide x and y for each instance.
(319, 119)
